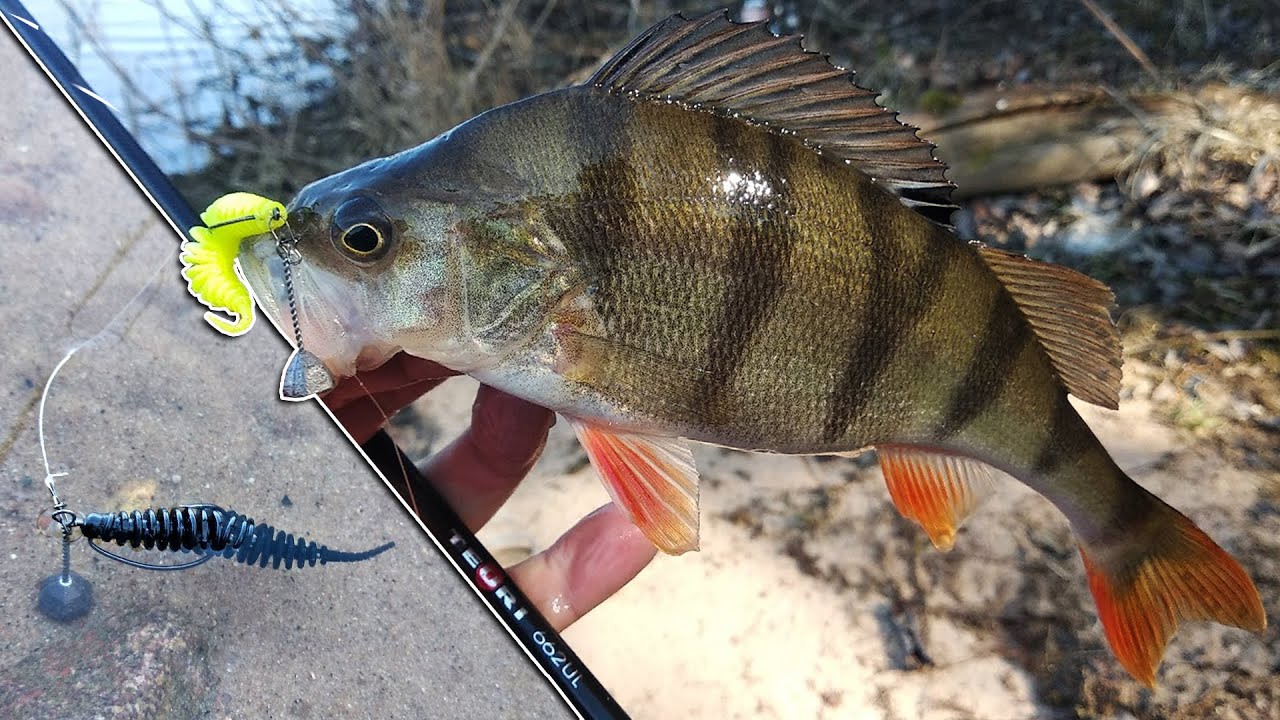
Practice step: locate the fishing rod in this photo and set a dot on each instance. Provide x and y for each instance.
(572, 680)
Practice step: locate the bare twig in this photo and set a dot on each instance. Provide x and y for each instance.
(1123, 37)
(486, 54)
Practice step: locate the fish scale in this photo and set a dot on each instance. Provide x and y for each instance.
(687, 275)
(719, 238)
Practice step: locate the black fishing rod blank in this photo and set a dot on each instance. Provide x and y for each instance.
(580, 688)
(571, 678)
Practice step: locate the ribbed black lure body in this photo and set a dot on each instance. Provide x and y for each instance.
(209, 530)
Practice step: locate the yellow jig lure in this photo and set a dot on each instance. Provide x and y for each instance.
(208, 263)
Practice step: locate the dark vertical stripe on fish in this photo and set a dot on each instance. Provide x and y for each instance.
(899, 293)
(1003, 339)
(761, 244)
(1066, 439)
(600, 226)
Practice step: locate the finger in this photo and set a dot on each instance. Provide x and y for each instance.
(478, 471)
(399, 372)
(363, 416)
(588, 564)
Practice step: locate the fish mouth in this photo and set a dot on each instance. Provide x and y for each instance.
(327, 306)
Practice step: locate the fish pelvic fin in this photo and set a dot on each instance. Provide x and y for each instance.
(1069, 313)
(746, 72)
(653, 479)
(1147, 584)
(939, 491)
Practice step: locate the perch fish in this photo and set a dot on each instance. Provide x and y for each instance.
(719, 238)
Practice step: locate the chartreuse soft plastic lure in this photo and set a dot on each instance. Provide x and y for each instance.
(209, 259)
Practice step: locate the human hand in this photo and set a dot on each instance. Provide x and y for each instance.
(479, 470)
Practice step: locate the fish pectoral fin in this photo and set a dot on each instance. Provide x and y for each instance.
(652, 478)
(622, 370)
(939, 491)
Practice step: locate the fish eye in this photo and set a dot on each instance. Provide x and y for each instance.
(362, 239)
(361, 230)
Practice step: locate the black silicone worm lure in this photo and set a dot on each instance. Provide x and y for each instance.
(208, 531)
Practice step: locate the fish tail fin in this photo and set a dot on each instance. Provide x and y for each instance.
(1146, 584)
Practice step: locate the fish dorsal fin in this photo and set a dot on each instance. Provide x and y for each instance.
(746, 72)
(1069, 313)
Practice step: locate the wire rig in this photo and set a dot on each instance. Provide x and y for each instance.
(67, 595)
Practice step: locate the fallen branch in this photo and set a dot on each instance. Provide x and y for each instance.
(1014, 141)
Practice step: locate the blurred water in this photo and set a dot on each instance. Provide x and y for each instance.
(175, 68)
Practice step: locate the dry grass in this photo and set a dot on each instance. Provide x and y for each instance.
(393, 73)
(398, 73)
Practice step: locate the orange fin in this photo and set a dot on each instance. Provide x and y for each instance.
(1069, 314)
(652, 478)
(1143, 592)
(937, 490)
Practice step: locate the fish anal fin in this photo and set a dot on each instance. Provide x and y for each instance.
(1143, 591)
(746, 72)
(1069, 313)
(936, 490)
(652, 478)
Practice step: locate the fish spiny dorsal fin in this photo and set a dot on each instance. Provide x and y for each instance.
(1069, 314)
(746, 72)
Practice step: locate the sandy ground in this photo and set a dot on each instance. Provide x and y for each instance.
(810, 598)
(163, 411)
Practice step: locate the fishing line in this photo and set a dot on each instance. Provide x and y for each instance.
(67, 595)
(404, 474)
(101, 334)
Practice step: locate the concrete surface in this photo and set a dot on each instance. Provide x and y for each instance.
(162, 410)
